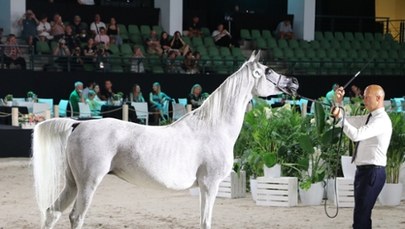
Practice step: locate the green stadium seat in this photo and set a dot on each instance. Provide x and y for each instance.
(349, 36)
(123, 31)
(328, 35)
(272, 43)
(145, 30)
(205, 32)
(315, 44)
(289, 54)
(261, 43)
(202, 50)
(282, 43)
(293, 43)
(236, 52)
(255, 34)
(368, 37)
(136, 39)
(325, 44)
(277, 54)
(133, 29)
(339, 36)
(213, 51)
(126, 50)
(158, 29)
(356, 44)
(245, 34)
(335, 44)
(114, 49)
(225, 51)
(318, 35)
(43, 48)
(378, 36)
(266, 34)
(358, 36)
(304, 44)
(345, 44)
(365, 44)
(197, 41)
(209, 41)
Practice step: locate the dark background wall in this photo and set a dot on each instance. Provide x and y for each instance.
(58, 85)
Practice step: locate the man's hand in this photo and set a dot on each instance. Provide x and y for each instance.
(339, 94)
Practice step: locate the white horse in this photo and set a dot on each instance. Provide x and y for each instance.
(70, 158)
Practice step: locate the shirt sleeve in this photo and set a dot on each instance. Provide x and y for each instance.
(356, 130)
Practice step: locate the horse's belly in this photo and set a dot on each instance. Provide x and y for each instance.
(146, 178)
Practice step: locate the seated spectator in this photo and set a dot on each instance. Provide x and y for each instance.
(195, 97)
(12, 53)
(194, 30)
(197, 58)
(153, 44)
(82, 36)
(44, 28)
(76, 61)
(172, 65)
(90, 51)
(190, 64)
(178, 45)
(136, 95)
(114, 32)
(102, 38)
(107, 93)
(284, 30)
(137, 61)
(355, 92)
(78, 25)
(71, 40)
(157, 100)
(57, 27)
(62, 52)
(94, 104)
(89, 86)
(29, 24)
(96, 25)
(221, 36)
(76, 97)
(165, 42)
(98, 93)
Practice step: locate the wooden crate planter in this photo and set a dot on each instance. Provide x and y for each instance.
(233, 186)
(282, 191)
(345, 192)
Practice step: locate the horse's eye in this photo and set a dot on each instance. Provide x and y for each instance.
(268, 71)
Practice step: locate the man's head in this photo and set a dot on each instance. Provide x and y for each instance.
(77, 19)
(196, 19)
(374, 97)
(107, 84)
(78, 86)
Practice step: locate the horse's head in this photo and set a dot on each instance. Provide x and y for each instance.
(269, 82)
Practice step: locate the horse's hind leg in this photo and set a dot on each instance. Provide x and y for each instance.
(64, 200)
(85, 195)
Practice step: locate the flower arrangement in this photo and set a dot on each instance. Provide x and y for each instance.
(29, 120)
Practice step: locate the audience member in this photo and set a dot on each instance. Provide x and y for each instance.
(195, 97)
(76, 97)
(44, 28)
(90, 86)
(78, 25)
(137, 61)
(83, 36)
(221, 36)
(157, 100)
(102, 38)
(96, 25)
(76, 61)
(94, 104)
(190, 64)
(165, 42)
(57, 27)
(136, 95)
(90, 51)
(114, 31)
(62, 53)
(98, 93)
(153, 43)
(194, 30)
(107, 93)
(284, 30)
(29, 24)
(12, 53)
(177, 44)
(330, 96)
(172, 64)
(71, 40)
(355, 92)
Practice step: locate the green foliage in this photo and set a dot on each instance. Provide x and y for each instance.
(8, 98)
(396, 150)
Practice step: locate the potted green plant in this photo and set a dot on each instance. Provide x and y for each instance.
(31, 96)
(319, 146)
(9, 100)
(117, 98)
(392, 191)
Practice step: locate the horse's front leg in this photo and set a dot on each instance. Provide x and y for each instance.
(208, 193)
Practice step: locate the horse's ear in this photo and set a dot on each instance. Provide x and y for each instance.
(257, 57)
(253, 56)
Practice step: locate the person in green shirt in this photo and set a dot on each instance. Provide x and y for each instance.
(76, 97)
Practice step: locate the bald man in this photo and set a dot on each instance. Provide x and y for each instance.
(372, 134)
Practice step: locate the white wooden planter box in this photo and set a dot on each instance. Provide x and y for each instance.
(345, 192)
(233, 186)
(282, 191)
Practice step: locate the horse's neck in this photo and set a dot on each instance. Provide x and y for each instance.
(227, 105)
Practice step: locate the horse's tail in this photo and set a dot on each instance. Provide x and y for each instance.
(49, 160)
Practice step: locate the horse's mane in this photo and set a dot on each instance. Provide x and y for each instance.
(220, 102)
